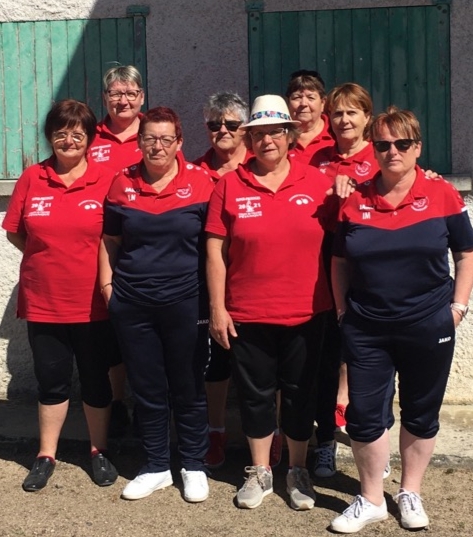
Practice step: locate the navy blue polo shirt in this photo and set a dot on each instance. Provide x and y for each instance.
(398, 257)
(161, 259)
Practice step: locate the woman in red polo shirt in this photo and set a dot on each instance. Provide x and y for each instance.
(268, 294)
(55, 218)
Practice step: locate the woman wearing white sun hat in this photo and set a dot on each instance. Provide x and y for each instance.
(269, 294)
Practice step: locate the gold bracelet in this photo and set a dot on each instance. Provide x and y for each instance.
(106, 285)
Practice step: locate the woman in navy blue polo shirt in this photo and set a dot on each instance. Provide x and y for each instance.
(398, 308)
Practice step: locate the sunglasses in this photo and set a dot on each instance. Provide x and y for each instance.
(401, 145)
(230, 125)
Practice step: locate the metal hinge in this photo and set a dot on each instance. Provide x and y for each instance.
(137, 11)
(254, 6)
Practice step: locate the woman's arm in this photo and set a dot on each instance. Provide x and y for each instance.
(109, 246)
(221, 323)
(18, 240)
(340, 284)
(463, 281)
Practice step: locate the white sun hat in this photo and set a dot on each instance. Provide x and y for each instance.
(270, 110)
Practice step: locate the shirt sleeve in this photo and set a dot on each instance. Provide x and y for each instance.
(13, 221)
(217, 218)
(112, 223)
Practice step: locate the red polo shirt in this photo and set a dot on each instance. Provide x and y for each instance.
(63, 225)
(206, 162)
(320, 142)
(108, 149)
(275, 272)
(361, 166)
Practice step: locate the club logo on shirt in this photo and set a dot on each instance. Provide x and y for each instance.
(249, 207)
(185, 192)
(363, 169)
(90, 205)
(101, 153)
(323, 166)
(301, 199)
(40, 206)
(420, 205)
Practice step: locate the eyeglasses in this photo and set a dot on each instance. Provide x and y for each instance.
(165, 141)
(401, 145)
(231, 125)
(130, 95)
(61, 136)
(275, 134)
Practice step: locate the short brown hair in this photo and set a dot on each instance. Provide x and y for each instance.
(68, 113)
(161, 114)
(306, 80)
(354, 95)
(401, 122)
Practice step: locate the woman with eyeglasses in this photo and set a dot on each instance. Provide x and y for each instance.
(306, 99)
(399, 308)
(116, 146)
(152, 278)
(55, 219)
(268, 294)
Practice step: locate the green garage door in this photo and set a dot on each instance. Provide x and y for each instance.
(401, 55)
(42, 62)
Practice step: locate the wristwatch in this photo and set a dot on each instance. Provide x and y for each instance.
(462, 309)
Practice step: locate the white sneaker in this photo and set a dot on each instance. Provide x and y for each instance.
(413, 515)
(145, 484)
(325, 459)
(196, 485)
(360, 513)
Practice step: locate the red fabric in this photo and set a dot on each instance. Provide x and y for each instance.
(205, 162)
(322, 141)
(59, 269)
(275, 272)
(361, 166)
(109, 150)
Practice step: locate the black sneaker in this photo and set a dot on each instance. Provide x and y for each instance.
(103, 471)
(119, 420)
(42, 470)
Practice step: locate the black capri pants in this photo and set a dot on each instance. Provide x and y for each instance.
(268, 357)
(219, 367)
(54, 347)
(421, 354)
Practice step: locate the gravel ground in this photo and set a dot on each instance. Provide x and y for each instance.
(72, 506)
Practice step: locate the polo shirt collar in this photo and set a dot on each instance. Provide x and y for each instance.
(90, 177)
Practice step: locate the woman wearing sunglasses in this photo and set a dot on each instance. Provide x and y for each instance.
(269, 294)
(116, 146)
(55, 219)
(152, 278)
(399, 308)
(306, 99)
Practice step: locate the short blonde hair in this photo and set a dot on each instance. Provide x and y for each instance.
(122, 73)
(401, 122)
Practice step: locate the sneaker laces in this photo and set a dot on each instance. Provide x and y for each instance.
(254, 478)
(356, 508)
(325, 455)
(410, 501)
(194, 478)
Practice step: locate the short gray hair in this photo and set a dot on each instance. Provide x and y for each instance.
(122, 73)
(223, 102)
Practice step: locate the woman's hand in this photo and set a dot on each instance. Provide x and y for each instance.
(343, 186)
(107, 291)
(220, 326)
(457, 318)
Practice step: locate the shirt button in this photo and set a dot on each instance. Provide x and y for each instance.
(395, 213)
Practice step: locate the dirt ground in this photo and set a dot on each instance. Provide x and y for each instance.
(72, 506)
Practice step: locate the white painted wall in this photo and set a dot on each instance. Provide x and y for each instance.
(198, 48)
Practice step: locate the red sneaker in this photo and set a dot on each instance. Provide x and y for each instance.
(340, 421)
(215, 456)
(275, 453)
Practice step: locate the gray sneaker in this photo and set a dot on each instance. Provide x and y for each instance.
(325, 459)
(258, 484)
(300, 489)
